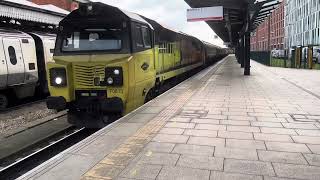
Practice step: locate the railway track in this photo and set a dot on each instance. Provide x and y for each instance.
(44, 151)
(22, 105)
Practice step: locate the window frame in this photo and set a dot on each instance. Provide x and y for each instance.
(138, 31)
(147, 30)
(135, 32)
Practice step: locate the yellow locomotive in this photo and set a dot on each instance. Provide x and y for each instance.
(109, 61)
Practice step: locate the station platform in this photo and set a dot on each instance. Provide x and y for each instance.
(217, 125)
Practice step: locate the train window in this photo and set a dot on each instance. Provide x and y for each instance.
(25, 41)
(138, 37)
(12, 55)
(146, 37)
(93, 40)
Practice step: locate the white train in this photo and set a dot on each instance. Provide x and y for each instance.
(23, 58)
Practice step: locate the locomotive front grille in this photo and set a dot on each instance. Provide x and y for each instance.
(84, 75)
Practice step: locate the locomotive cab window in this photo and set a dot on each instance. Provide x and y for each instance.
(110, 37)
(92, 40)
(146, 37)
(141, 36)
(138, 37)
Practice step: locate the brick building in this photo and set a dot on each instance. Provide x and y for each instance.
(68, 5)
(270, 34)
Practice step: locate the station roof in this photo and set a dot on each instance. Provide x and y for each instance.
(24, 10)
(235, 15)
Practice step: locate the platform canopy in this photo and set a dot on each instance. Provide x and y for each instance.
(28, 12)
(236, 16)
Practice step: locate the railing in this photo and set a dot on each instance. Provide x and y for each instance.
(263, 57)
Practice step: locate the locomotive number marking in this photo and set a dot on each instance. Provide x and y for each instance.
(116, 91)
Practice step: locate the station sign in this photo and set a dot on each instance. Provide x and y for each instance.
(205, 14)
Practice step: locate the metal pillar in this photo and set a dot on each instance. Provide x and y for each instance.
(238, 52)
(242, 52)
(247, 54)
(247, 46)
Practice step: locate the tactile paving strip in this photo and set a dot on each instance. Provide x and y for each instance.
(111, 166)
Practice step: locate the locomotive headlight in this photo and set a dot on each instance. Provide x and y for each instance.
(116, 72)
(110, 81)
(58, 80)
(113, 76)
(58, 77)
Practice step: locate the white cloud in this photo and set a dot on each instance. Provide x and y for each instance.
(169, 12)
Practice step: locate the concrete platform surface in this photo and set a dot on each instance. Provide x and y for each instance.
(218, 125)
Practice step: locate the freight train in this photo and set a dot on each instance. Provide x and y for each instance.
(109, 62)
(23, 58)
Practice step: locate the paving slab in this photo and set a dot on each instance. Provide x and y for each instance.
(266, 124)
(314, 148)
(248, 167)
(205, 121)
(193, 150)
(210, 127)
(297, 171)
(201, 162)
(141, 171)
(203, 133)
(268, 130)
(160, 147)
(235, 135)
(170, 138)
(207, 141)
(245, 144)
(272, 137)
(156, 158)
(306, 139)
(236, 123)
(308, 132)
(180, 125)
(243, 128)
(236, 153)
(217, 175)
(300, 126)
(281, 157)
(313, 159)
(287, 147)
(182, 173)
(171, 131)
(276, 178)
(218, 124)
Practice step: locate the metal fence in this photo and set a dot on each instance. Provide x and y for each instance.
(266, 58)
(262, 57)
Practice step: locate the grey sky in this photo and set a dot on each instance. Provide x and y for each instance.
(169, 12)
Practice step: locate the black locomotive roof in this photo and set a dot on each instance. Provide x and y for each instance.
(102, 12)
